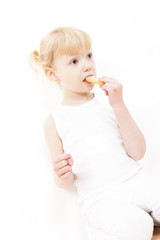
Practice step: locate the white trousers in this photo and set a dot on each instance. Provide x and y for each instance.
(127, 211)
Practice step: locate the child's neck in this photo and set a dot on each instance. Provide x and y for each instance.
(77, 99)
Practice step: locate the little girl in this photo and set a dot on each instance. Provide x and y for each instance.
(94, 145)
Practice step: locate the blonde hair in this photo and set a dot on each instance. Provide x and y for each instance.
(61, 41)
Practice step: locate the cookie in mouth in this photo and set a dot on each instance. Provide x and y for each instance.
(94, 79)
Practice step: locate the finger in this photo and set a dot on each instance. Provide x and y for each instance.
(106, 92)
(67, 174)
(62, 157)
(106, 88)
(70, 161)
(60, 164)
(109, 85)
(108, 80)
(63, 163)
(63, 170)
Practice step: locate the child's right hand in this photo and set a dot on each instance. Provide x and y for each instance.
(62, 165)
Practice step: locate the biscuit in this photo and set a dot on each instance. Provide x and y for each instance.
(94, 79)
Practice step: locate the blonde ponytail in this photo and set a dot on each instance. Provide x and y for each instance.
(35, 61)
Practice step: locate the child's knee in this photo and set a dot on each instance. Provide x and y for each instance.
(138, 225)
(139, 228)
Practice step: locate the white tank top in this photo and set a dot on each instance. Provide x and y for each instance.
(90, 133)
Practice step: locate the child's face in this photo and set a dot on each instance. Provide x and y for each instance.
(71, 70)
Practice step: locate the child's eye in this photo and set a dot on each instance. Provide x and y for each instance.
(74, 61)
(90, 55)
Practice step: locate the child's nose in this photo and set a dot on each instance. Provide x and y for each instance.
(87, 67)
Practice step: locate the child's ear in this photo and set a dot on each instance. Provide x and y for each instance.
(50, 74)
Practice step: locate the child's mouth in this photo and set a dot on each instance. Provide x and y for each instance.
(87, 82)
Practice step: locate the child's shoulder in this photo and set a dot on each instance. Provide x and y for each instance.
(49, 116)
(49, 122)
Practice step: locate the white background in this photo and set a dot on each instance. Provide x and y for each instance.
(126, 46)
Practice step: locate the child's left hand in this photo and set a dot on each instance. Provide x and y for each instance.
(113, 89)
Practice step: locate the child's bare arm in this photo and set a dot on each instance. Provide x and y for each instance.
(133, 138)
(62, 163)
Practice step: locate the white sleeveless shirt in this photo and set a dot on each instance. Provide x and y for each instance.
(90, 133)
